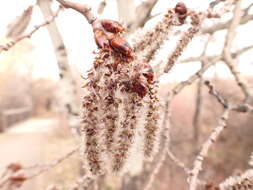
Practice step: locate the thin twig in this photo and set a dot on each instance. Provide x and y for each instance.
(199, 99)
(213, 92)
(178, 162)
(19, 25)
(197, 165)
(243, 108)
(84, 9)
(46, 167)
(194, 77)
(12, 43)
(40, 169)
(204, 57)
(227, 52)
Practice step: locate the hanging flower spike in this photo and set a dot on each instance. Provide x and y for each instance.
(118, 104)
(184, 41)
(242, 182)
(148, 44)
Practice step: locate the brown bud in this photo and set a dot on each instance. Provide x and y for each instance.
(14, 167)
(122, 46)
(180, 8)
(17, 180)
(140, 89)
(112, 26)
(101, 39)
(148, 73)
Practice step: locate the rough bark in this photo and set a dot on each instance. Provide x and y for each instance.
(67, 99)
(135, 17)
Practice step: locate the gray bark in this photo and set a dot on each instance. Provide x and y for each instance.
(135, 17)
(66, 95)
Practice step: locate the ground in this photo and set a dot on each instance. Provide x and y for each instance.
(39, 141)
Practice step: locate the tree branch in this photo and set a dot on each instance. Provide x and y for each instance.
(84, 9)
(218, 57)
(12, 43)
(222, 26)
(227, 52)
(197, 166)
(19, 25)
(10, 178)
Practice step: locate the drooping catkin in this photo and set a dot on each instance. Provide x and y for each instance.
(115, 109)
(127, 130)
(91, 127)
(151, 129)
(183, 42)
(94, 127)
(150, 42)
(242, 182)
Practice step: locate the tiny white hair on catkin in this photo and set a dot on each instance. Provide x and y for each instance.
(251, 160)
(242, 182)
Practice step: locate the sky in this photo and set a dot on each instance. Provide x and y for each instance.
(78, 38)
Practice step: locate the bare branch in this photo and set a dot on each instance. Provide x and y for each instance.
(213, 92)
(194, 77)
(101, 7)
(199, 100)
(227, 52)
(19, 25)
(12, 43)
(215, 2)
(178, 162)
(219, 57)
(197, 166)
(233, 107)
(135, 17)
(11, 176)
(84, 9)
(143, 12)
(46, 167)
(221, 26)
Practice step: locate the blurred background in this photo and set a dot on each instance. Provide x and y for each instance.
(41, 80)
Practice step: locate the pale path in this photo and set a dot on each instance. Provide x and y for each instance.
(24, 143)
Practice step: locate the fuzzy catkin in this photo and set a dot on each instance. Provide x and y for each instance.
(182, 44)
(91, 129)
(152, 123)
(117, 106)
(127, 132)
(184, 41)
(242, 182)
(121, 95)
(152, 40)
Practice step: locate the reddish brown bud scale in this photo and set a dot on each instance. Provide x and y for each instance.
(180, 8)
(14, 167)
(101, 39)
(122, 46)
(148, 73)
(112, 26)
(140, 89)
(18, 178)
(211, 187)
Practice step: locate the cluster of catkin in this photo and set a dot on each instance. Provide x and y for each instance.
(121, 110)
(121, 103)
